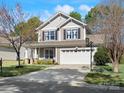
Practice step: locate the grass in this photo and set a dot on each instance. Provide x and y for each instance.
(9, 69)
(121, 71)
(104, 79)
(104, 75)
(8, 63)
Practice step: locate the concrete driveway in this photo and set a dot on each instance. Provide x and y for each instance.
(56, 79)
(58, 73)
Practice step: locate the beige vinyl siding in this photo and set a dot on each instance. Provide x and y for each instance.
(82, 33)
(60, 34)
(40, 36)
(55, 23)
(71, 24)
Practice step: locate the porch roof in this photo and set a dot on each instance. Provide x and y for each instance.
(74, 43)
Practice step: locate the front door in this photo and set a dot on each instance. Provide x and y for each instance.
(49, 53)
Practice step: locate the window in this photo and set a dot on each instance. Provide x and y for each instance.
(72, 34)
(68, 34)
(50, 35)
(75, 33)
(49, 53)
(46, 54)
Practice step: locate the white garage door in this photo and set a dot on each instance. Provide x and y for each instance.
(72, 56)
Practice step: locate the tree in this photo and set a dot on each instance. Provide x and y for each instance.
(101, 57)
(112, 25)
(90, 18)
(93, 14)
(76, 15)
(8, 23)
(22, 26)
(34, 22)
(30, 25)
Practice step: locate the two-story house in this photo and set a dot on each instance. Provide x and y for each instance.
(63, 39)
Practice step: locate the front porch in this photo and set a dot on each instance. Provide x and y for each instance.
(34, 54)
(49, 50)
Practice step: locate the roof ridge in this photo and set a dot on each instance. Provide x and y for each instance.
(50, 18)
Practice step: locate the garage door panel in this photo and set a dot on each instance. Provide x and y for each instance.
(74, 57)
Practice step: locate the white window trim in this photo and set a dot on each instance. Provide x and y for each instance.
(71, 29)
(49, 35)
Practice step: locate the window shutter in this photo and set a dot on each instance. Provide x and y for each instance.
(39, 36)
(56, 34)
(79, 33)
(43, 35)
(64, 34)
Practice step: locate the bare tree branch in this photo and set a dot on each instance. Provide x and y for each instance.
(112, 25)
(8, 21)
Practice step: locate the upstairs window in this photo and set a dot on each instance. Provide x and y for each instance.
(50, 35)
(71, 34)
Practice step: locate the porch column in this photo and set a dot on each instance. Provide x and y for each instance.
(31, 57)
(84, 33)
(26, 56)
(35, 54)
(56, 56)
(26, 53)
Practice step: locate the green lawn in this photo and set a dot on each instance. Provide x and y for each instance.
(8, 63)
(9, 68)
(122, 71)
(103, 75)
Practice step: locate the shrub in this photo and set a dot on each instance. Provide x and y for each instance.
(102, 69)
(39, 61)
(101, 57)
(47, 62)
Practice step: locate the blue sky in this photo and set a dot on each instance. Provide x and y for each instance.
(45, 8)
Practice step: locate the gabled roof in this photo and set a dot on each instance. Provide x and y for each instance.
(64, 15)
(71, 19)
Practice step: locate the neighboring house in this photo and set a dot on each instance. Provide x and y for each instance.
(7, 52)
(63, 39)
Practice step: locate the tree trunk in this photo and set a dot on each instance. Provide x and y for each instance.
(18, 58)
(116, 67)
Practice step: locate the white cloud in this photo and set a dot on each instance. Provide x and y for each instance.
(45, 15)
(85, 8)
(65, 8)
